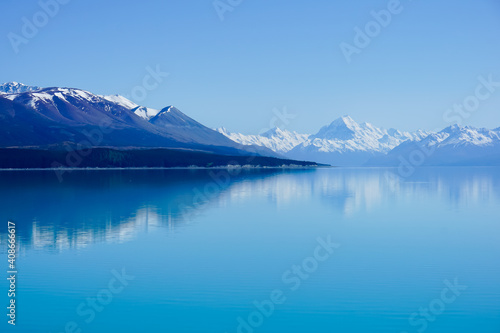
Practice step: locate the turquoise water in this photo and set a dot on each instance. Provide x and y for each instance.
(326, 250)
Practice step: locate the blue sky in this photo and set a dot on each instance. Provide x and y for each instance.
(267, 56)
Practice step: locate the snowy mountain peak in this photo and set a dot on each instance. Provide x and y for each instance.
(141, 111)
(345, 122)
(462, 136)
(276, 139)
(223, 130)
(118, 99)
(343, 128)
(453, 128)
(171, 116)
(467, 135)
(172, 109)
(394, 132)
(54, 116)
(16, 88)
(345, 142)
(45, 96)
(454, 145)
(275, 131)
(342, 142)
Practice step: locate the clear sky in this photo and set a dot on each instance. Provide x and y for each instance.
(268, 55)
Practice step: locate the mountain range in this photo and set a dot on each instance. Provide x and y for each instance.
(344, 142)
(49, 118)
(454, 145)
(52, 118)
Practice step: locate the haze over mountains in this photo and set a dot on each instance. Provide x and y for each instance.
(50, 118)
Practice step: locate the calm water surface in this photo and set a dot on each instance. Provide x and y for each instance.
(203, 251)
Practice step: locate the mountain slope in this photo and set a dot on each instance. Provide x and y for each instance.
(141, 111)
(342, 143)
(15, 88)
(347, 143)
(278, 140)
(454, 145)
(171, 120)
(54, 117)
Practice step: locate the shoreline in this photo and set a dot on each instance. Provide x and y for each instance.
(247, 167)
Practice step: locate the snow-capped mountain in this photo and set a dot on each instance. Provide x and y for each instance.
(346, 132)
(458, 135)
(170, 119)
(343, 143)
(454, 145)
(278, 140)
(346, 143)
(52, 117)
(141, 111)
(16, 88)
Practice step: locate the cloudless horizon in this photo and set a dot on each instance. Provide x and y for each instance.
(264, 57)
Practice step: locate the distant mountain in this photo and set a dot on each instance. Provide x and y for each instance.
(342, 143)
(454, 145)
(55, 117)
(278, 140)
(15, 88)
(346, 143)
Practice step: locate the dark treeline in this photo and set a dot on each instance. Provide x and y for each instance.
(137, 158)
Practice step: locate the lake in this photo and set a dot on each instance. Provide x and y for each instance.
(257, 250)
